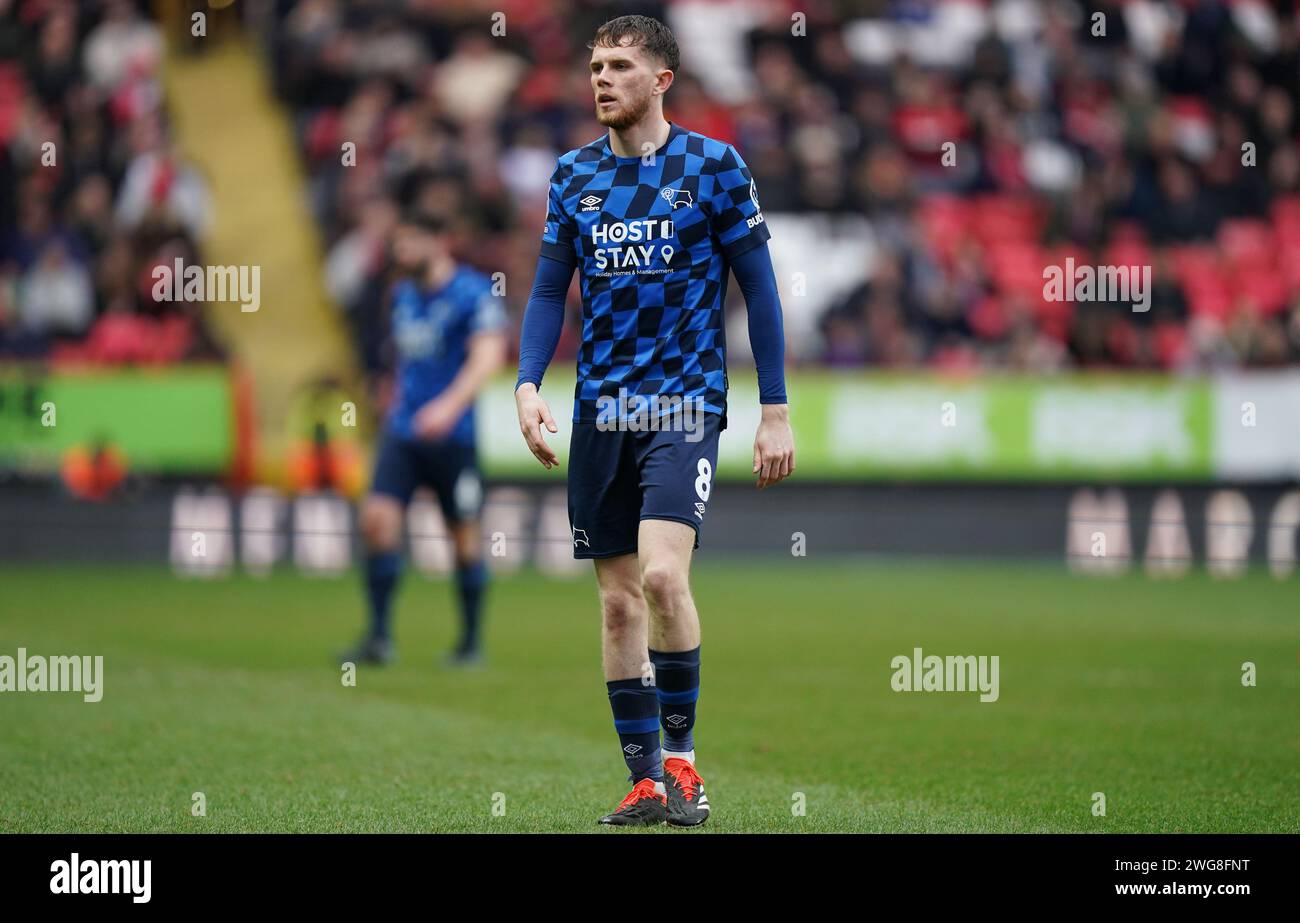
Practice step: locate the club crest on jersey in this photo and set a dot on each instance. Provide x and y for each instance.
(677, 197)
(590, 203)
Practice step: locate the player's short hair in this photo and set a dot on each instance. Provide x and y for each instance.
(646, 31)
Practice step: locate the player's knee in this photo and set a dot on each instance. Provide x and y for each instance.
(622, 611)
(664, 587)
(381, 523)
(469, 548)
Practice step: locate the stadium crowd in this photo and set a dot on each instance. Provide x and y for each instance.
(981, 142)
(93, 193)
(1166, 137)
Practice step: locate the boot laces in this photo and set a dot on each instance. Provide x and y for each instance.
(684, 774)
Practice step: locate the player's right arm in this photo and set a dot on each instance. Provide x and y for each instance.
(543, 321)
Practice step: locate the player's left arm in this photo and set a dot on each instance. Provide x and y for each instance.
(485, 355)
(774, 441)
(741, 230)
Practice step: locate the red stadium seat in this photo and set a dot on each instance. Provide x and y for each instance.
(1267, 291)
(1289, 266)
(1007, 218)
(944, 221)
(1248, 246)
(1286, 213)
(1127, 251)
(1198, 271)
(1017, 268)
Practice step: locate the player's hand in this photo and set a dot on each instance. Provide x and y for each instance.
(533, 415)
(435, 419)
(774, 446)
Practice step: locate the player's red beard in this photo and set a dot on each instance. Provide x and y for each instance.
(630, 111)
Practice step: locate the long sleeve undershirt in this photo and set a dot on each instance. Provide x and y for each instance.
(543, 319)
(757, 281)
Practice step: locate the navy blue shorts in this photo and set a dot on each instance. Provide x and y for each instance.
(618, 478)
(449, 468)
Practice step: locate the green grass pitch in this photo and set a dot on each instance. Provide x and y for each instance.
(1123, 686)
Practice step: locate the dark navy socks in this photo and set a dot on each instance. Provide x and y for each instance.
(382, 571)
(677, 682)
(636, 718)
(471, 585)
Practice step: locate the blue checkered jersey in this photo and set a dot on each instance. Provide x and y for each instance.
(652, 238)
(431, 333)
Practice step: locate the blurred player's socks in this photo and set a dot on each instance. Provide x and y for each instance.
(677, 682)
(471, 583)
(382, 571)
(636, 718)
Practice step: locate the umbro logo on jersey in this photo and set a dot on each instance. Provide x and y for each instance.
(580, 538)
(676, 720)
(632, 749)
(590, 203)
(677, 197)
(699, 510)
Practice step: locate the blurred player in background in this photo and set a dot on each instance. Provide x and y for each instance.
(449, 335)
(654, 216)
